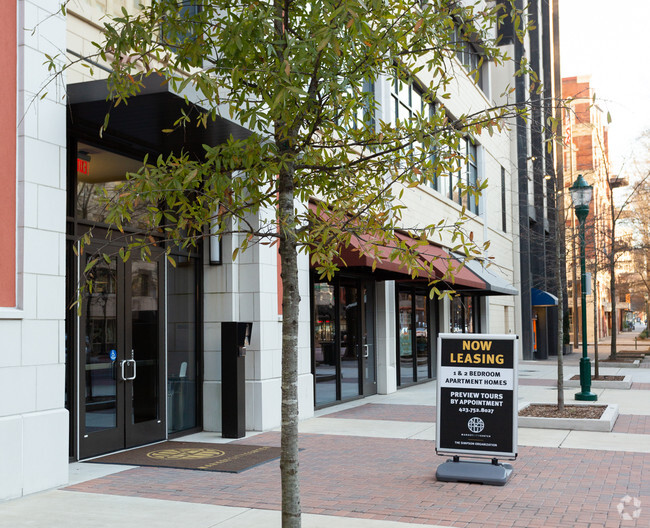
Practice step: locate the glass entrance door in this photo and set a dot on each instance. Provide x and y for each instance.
(121, 355)
(416, 336)
(368, 356)
(344, 344)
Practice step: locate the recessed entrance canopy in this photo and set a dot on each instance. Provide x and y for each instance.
(143, 117)
(542, 298)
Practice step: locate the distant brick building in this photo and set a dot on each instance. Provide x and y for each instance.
(586, 153)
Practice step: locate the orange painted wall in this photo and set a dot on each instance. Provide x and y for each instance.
(8, 54)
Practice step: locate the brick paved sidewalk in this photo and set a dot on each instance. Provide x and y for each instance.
(394, 479)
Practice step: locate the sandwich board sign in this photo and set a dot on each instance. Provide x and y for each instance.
(477, 405)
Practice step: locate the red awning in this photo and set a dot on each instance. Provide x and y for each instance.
(358, 255)
(439, 260)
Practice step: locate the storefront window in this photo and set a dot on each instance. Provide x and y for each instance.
(406, 338)
(344, 364)
(324, 317)
(422, 336)
(416, 335)
(182, 365)
(464, 315)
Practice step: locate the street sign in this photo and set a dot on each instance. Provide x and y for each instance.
(477, 395)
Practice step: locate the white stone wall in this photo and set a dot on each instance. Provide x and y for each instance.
(244, 290)
(33, 420)
(426, 206)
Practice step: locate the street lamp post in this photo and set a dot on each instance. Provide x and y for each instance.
(581, 193)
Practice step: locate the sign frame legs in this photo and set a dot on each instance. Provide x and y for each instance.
(492, 473)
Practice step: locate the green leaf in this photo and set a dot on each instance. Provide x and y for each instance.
(90, 265)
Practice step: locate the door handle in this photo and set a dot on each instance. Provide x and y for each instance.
(132, 362)
(365, 351)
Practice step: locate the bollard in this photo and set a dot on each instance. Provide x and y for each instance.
(635, 343)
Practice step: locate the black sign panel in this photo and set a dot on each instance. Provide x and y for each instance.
(477, 394)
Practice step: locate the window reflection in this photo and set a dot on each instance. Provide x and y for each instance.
(100, 343)
(405, 338)
(414, 340)
(181, 345)
(324, 344)
(350, 346)
(99, 174)
(463, 315)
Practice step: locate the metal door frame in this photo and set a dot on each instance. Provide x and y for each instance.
(126, 433)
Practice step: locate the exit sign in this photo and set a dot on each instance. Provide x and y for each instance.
(82, 166)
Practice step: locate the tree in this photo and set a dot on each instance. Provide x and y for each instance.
(634, 268)
(298, 75)
(604, 245)
(617, 246)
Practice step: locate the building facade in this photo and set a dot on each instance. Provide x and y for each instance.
(138, 358)
(537, 162)
(586, 153)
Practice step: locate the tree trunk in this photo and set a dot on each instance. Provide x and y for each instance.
(290, 310)
(612, 278)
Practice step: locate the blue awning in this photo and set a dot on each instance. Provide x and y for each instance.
(542, 298)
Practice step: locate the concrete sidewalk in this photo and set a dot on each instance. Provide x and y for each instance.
(628, 341)
(371, 463)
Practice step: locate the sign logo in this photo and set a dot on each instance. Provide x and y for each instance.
(185, 453)
(476, 425)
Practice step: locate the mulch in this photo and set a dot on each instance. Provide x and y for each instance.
(229, 458)
(600, 378)
(539, 410)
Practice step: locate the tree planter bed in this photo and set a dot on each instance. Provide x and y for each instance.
(542, 420)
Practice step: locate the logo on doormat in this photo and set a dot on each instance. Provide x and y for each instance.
(185, 453)
(629, 508)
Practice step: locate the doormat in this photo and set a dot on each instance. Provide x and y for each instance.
(228, 458)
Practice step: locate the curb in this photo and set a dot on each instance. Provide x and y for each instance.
(603, 424)
(611, 364)
(625, 383)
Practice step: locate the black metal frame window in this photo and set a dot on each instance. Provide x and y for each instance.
(184, 29)
(471, 168)
(184, 343)
(409, 100)
(416, 335)
(365, 117)
(343, 339)
(469, 55)
(465, 314)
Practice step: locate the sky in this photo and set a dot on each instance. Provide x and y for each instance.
(609, 41)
